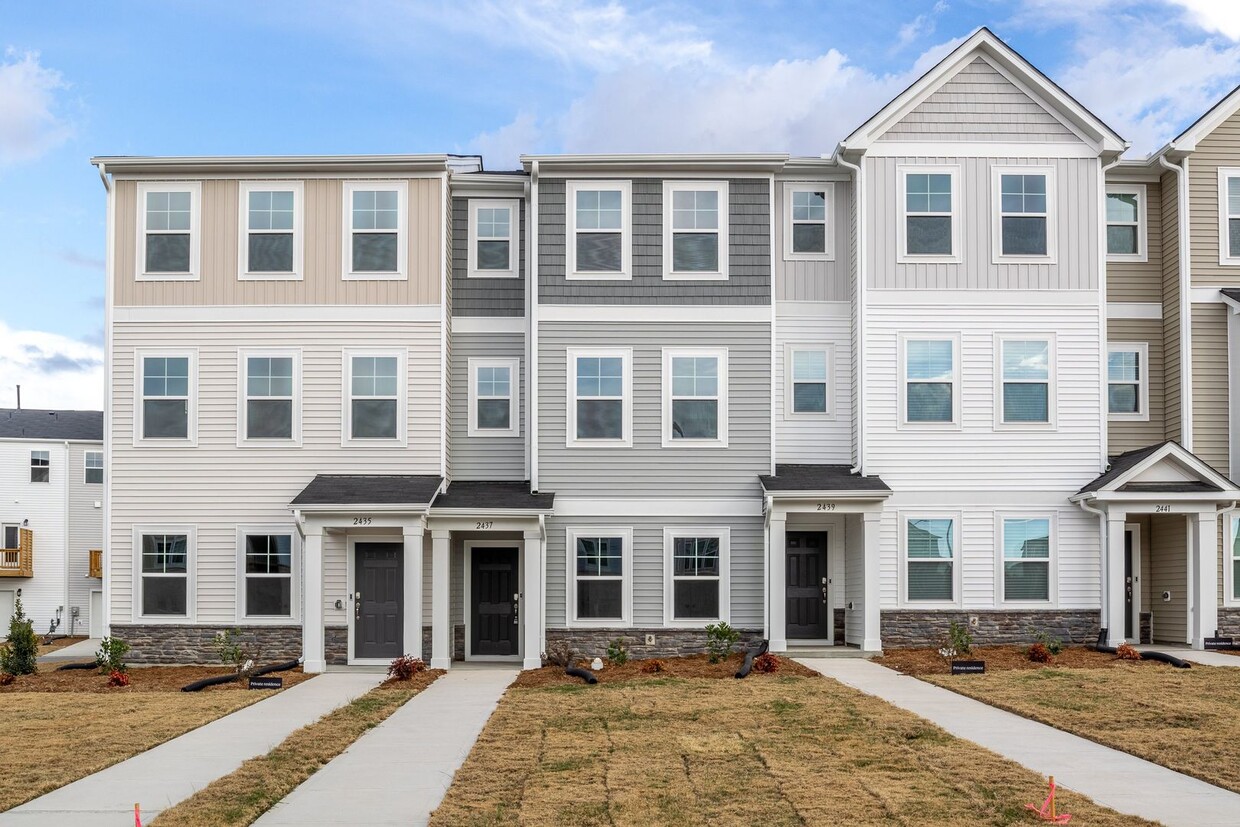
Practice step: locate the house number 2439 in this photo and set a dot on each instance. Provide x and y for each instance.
(825, 507)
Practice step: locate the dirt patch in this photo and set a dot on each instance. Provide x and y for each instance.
(58, 643)
(142, 679)
(998, 659)
(689, 666)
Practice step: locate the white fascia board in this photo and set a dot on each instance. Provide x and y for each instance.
(610, 507)
(896, 297)
(1134, 310)
(680, 313)
(489, 324)
(1187, 140)
(123, 165)
(386, 508)
(277, 313)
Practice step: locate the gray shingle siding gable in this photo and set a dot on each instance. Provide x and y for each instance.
(484, 296)
(749, 251)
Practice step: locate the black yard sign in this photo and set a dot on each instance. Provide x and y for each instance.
(968, 667)
(266, 683)
(1220, 643)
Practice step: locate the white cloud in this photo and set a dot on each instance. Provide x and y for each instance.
(502, 148)
(30, 125)
(920, 26)
(1222, 16)
(53, 370)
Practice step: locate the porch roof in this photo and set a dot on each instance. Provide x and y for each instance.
(792, 480)
(391, 490)
(492, 496)
(1134, 472)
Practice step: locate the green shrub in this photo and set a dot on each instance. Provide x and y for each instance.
(720, 638)
(959, 639)
(617, 653)
(1053, 644)
(111, 656)
(20, 655)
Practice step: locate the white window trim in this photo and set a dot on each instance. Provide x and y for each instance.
(1225, 259)
(724, 534)
(191, 429)
(402, 398)
(902, 254)
(903, 422)
(957, 558)
(791, 348)
(1052, 406)
(1052, 573)
(626, 439)
(401, 188)
(513, 206)
(295, 576)
(514, 397)
(243, 230)
(191, 574)
(1229, 584)
(1142, 253)
(4, 527)
(996, 226)
(625, 188)
(1142, 350)
(626, 587)
(194, 188)
(243, 377)
(721, 188)
(720, 353)
(30, 466)
(828, 190)
(85, 467)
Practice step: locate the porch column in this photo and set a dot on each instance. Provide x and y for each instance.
(1203, 617)
(871, 632)
(312, 601)
(532, 600)
(777, 563)
(1114, 583)
(413, 590)
(441, 590)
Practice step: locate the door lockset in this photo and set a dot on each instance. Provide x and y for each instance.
(516, 608)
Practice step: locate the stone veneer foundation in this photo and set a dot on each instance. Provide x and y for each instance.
(1228, 622)
(927, 628)
(336, 644)
(668, 643)
(167, 643)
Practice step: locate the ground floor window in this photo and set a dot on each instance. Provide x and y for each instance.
(696, 571)
(599, 563)
(1026, 559)
(165, 575)
(268, 575)
(930, 557)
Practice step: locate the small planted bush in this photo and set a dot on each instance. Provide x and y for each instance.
(766, 662)
(118, 678)
(1040, 653)
(405, 667)
(111, 656)
(653, 666)
(617, 653)
(20, 655)
(720, 638)
(960, 639)
(1053, 644)
(1126, 651)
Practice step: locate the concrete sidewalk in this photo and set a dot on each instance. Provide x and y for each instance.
(83, 650)
(399, 771)
(1112, 778)
(1194, 655)
(175, 770)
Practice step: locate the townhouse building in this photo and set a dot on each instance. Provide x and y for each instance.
(950, 372)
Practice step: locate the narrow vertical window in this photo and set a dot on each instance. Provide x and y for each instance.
(1126, 368)
(1235, 558)
(271, 227)
(165, 575)
(165, 397)
(928, 229)
(695, 397)
(1126, 223)
(1026, 371)
(1024, 229)
(93, 467)
(493, 397)
(808, 378)
(930, 559)
(598, 245)
(375, 235)
(168, 231)
(268, 575)
(492, 239)
(695, 226)
(599, 578)
(40, 466)
(1229, 215)
(12, 535)
(1026, 559)
(374, 397)
(270, 401)
(929, 381)
(598, 406)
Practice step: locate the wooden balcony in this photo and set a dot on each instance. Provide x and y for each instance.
(19, 562)
(96, 563)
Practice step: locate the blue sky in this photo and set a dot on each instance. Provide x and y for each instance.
(178, 78)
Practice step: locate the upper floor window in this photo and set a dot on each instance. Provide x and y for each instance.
(1026, 367)
(493, 238)
(40, 466)
(493, 397)
(600, 397)
(12, 535)
(930, 228)
(1023, 228)
(93, 468)
(600, 588)
(1026, 559)
(375, 235)
(695, 397)
(931, 386)
(271, 222)
(808, 379)
(271, 382)
(168, 236)
(598, 242)
(807, 222)
(1229, 215)
(1126, 222)
(930, 559)
(1128, 384)
(374, 408)
(695, 229)
(167, 395)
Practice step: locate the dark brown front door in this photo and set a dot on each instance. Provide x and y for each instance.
(493, 586)
(806, 585)
(377, 604)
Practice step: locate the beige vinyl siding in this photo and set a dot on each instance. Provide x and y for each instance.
(817, 281)
(218, 486)
(85, 533)
(979, 104)
(323, 236)
(1074, 213)
(1169, 573)
(1141, 281)
(485, 457)
(1171, 305)
(1211, 426)
(1127, 435)
(1221, 148)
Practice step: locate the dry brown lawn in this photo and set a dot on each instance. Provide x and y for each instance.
(770, 749)
(1185, 719)
(927, 661)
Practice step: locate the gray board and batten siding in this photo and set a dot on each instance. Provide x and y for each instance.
(484, 296)
(749, 251)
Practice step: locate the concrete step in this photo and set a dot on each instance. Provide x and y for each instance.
(827, 652)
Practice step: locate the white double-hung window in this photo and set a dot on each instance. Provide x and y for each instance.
(166, 395)
(267, 588)
(164, 563)
(600, 581)
(1128, 386)
(1026, 367)
(271, 230)
(168, 231)
(270, 410)
(695, 397)
(931, 229)
(375, 238)
(598, 245)
(40, 466)
(696, 584)
(1026, 570)
(807, 222)
(930, 558)
(600, 410)
(374, 396)
(695, 229)
(930, 390)
(1229, 216)
(493, 400)
(1126, 222)
(92, 471)
(1024, 228)
(492, 238)
(807, 377)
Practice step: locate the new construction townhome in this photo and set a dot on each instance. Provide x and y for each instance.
(970, 366)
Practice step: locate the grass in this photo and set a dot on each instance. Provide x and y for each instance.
(255, 787)
(1183, 719)
(771, 749)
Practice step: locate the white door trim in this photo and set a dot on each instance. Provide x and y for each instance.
(466, 608)
(1135, 530)
(351, 566)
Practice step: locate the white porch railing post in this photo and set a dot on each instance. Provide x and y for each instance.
(1203, 615)
(441, 589)
(1114, 585)
(778, 597)
(312, 601)
(412, 631)
(533, 601)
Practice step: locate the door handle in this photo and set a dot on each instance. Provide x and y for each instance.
(516, 608)
(357, 604)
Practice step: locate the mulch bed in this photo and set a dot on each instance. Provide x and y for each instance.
(142, 679)
(689, 666)
(998, 659)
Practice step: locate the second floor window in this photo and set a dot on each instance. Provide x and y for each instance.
(1127, 386)
(375, 230)
(598, 230)
(270, 245)
(492, 239)
(695, 229)
(808, 372)
(166, 397)
(1024, 217)
(807, 228)
(168, 231)
(695, 397)
(1025, 366)
(493, 397)
(928, 220)
(1126, 223)
(93, 470)
(375, 384)
(930, 383)
(270, 396)
(40, 466)
(598, 407)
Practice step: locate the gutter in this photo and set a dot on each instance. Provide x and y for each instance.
(859, 308)
(1186, 301)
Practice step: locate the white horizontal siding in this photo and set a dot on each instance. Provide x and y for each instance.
(44, 505)
(808, 439)
(85, 533)
(854, 579)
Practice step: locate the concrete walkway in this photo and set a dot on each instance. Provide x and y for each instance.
(1112, 778)
(175, 770)
(399, 771)
(83, 650)
(1194, 655)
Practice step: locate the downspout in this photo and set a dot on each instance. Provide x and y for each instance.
(1102, 559)
(531, 275)
(445, 322)
(68, 547)
(859, 305)
(525, 196)
(1103, 395)
(767, 503)
(542, 633)
(774, 384)
(1186, 302)
(109, 300)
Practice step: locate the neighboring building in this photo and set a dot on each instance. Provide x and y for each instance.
(362, 406)
(51, 516)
